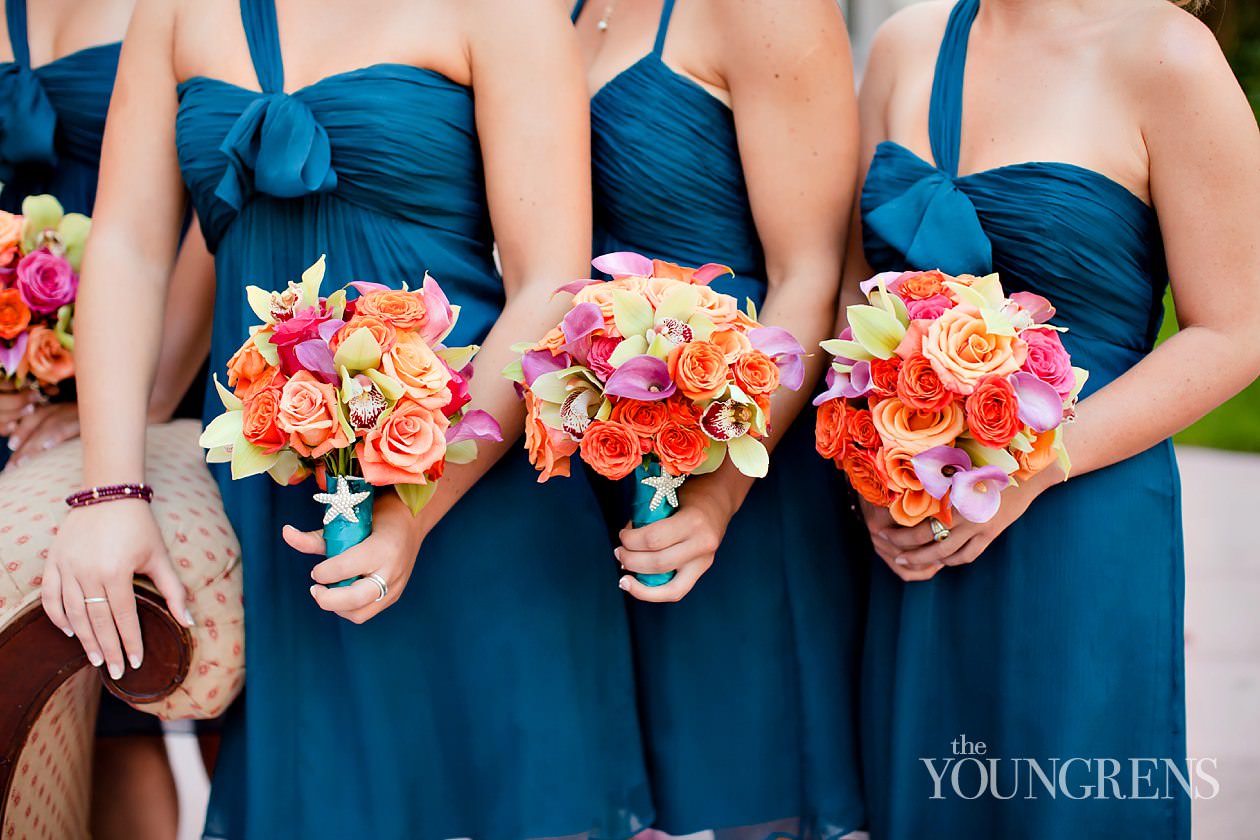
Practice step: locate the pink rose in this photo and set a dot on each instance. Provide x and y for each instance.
(597, 359)
(460, 395)
(46, 281)
(929, 308)
(302, 326)
(1049, 361)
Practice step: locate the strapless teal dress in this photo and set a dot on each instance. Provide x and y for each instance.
(748, 686)
(1064, 639)
(495, 700)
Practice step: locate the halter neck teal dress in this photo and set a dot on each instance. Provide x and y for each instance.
(1064, 639)
(748, 686)
(495, 699)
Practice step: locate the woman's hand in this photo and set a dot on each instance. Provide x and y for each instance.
(42, 428)
(684, 543)
(97, 553)
(389, 551)
(881, 525)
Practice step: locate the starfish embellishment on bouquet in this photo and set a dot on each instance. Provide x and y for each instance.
(666, 487)
(342, 503)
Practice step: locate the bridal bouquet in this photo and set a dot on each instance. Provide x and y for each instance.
(359, 391)
(943, 392)
(653, 374)
(40, 252)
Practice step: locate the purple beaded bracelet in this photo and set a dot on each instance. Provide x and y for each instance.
(109, 493)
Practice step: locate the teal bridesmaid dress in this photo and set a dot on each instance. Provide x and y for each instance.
(748, 686)
(495, 699)
(1064, 639)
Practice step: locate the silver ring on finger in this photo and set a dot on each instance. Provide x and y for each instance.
(380, 584)
(96, 599)
(939, 532)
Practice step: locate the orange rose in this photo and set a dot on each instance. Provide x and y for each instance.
(831, 432)
(423, 375)
(683, 410)
(993, 412)
(914, 429)
(910, 507)
(248, 371)
(645, 419)
(919, 285)
(309, 415)
(865, 472)
(402, 310)
(408, 444)
(260, 415)
(10, 231)
(884, 375)
(919, 386)
(1041, 457)
(756, 373)
(15, 315)
(962, 350)
(861, 428)
(699, 369)
(45, 358)
(611, 449)
(682, 449)
(385, 334)
(553, 342)
(900, 469)
(549, 449)
(733, 341)
(718, 308)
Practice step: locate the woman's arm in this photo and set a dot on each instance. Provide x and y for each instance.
(790, 75)
(185, 327)
(532, 117)
(118, 326)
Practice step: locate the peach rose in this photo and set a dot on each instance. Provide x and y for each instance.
(423, 375)
(10, 231)
(549, 449)
(15, 315)
(261, 412)
(884, 376)
(699, 369)
(962, 350)
(718, 308)
(385, 334)
(919, 386)
(601, 294)
(910, 507)
(866, 473)
(408, 444)
(401, 310)
(733, 342)
(611, 449)
(248, 371)
(831, 432)
(900, 468)
(1041, 457)
(993, 412)
(645, 419)
(681, 448)
(553, 342)
(914, 429)
(45, 358)
(860, 425)
(756, 373)
(656, 288)
(920, 285)
(309, 415)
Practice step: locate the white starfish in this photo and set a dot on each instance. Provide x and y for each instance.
(342, 503)
(666, 487)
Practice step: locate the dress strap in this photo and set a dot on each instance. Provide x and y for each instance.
(945, 116)
(263, 34)
(577, 10)
(15, 16)
(666, 13)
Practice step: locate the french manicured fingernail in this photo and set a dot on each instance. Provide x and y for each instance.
(313, 588)
(14, 443)
(28, 409)
(68, 631)
(901, 561)
(115, 671)
(624, 583)
(135, 662)
(48, 444)
(188, 619)
(96, 659)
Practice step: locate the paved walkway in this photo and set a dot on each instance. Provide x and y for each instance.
(1222, 516)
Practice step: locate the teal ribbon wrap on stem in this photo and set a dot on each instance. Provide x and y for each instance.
(342, 533)
(643, 514)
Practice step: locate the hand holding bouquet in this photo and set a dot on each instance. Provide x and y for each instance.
(360, 392)
(40, 252)
(943, 392)
(653, 374)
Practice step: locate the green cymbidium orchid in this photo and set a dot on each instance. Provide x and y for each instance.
(45, 224)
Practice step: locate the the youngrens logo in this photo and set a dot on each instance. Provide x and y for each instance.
(971, 772)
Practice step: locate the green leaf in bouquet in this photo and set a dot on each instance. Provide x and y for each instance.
(39, 213)
(635, 345)
(285, 468)
(62, 328)
(250, 460)
(391, 389)
(312, 279)
(262, 342)
(415, 496)
(713, 458)
(752, 308)
(345, 420)
(360, 351)
(463, 452)
(846, 349)
(458, 357)
(260, 302)
(1082, 376)
(878, 331)
(514, 371)
(1065, 461)
(225, 430)
(230, 401)
(749, 456)
(987, 456)
(631, 313)
(73, 232)
(336, 303)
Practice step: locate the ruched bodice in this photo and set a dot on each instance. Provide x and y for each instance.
(1069, 233)
(52, 119)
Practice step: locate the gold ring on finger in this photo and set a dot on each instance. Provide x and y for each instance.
(939, 532)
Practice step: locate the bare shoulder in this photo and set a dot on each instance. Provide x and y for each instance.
(1162, 50)
(519, 19)
(745, 24)
(911, 36)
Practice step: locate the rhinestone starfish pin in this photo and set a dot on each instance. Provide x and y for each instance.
(666, 487)
(342, 503)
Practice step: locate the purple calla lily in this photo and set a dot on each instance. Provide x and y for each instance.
(11, 355)
(707, 273)
(1040, 406)
(537, 362)
(643, 378)
(474, 425)
(936, 467)
(363, 287)
(623, 264)
(576, 286)
(856, 383)
(316, 357)
(1040, 309)
(977, 494)
(329, 328)
(581, 322)
(886, 276)
(782, 346)
(439, 311)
